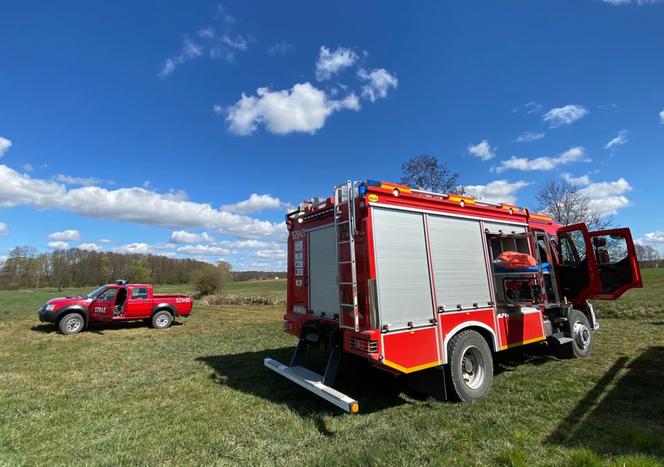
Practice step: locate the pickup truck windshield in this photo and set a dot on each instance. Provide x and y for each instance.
(95, 292)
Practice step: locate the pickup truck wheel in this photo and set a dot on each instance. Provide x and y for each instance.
(471, 366)
(162, 319)
(581, 334)
(71, 324)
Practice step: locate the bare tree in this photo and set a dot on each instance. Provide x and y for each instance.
(426, 172)
(569, 205)
(646, 253)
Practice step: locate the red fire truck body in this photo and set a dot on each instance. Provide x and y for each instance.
(408, 280)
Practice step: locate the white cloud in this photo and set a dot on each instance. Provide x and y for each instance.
(204, 250)
(255, 203)
(303, 108)
(483, 150)
(331, 63)
(498, 191)
(379, 82)
(65, 235)
(661, 119)
(211, 42)
(134, 248)
(574, 154)
(565, 115)
(280, 48)
(5, 144)
(529, 136)
(271, 254)
(28, 167)
(81, 181)
(4, 230)
(606, 198)
(627, 2)
(182, 236)
(89, 247)
(619, 140)
(57, 245)
(654, 239)
(251, 244)
(136, 205)
(576, 181)
(106, 240)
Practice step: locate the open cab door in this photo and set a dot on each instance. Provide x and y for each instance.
(616, 262)
(578, 275)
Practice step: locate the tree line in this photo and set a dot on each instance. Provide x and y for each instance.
(26, 268)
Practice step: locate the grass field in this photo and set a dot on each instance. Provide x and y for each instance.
(198, 393)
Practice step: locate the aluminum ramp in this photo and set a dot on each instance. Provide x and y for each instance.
(313, 382)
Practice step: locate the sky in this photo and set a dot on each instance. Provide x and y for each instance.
(188, 128)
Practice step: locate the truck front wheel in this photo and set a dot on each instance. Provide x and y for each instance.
(162, 319)
(471, 366)
(581, 333)
(72, 323)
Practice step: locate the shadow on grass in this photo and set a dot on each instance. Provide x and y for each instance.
(100, 327)
(629, 418)
(535, 354)
(375, 390)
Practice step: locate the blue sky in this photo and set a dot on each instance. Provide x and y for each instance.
(148, 126)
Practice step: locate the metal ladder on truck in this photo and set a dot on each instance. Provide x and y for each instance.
(346, 229)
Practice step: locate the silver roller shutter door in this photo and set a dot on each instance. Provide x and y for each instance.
(459, 265)
(323, 270)
(402, 270)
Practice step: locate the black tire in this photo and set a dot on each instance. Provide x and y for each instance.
(581, 333)
(471, 366)
(162, 319)
(73, 323)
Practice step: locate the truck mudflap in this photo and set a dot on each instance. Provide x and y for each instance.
(313, 382)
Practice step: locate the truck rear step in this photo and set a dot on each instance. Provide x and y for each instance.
(313, 382)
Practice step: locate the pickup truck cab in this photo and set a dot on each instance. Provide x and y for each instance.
(115, 302)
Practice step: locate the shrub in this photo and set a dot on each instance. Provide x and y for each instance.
(208, 280)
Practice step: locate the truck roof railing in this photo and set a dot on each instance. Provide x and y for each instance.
(315, 203)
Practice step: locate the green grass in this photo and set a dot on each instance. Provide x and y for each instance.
(647, 302)
(198, 393)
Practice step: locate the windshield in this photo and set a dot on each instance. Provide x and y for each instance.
(95, 292)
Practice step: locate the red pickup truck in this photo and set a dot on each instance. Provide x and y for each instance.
(115, 302)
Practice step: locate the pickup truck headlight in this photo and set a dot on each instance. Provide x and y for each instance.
(49, 307)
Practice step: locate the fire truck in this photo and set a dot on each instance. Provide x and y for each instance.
(412, 282)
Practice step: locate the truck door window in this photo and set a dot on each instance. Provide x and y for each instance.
(613, 261)
(139, 293)
(107, 296)
(572, 248)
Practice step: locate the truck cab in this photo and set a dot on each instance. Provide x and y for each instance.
(115, 302)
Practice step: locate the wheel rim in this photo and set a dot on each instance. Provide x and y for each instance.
(581, 334)
(472, 367)
(162, 321)
(73, 324)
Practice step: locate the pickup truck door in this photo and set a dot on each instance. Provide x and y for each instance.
(578, 275)
(103, 306)
(139, 303)
(616, 262)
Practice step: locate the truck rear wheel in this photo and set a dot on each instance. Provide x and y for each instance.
(72, 323)
(581, 333)
(471, 366)
(162, 319)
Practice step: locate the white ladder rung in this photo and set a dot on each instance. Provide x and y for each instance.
(343, 242)
(345, 262)
(347, 305)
